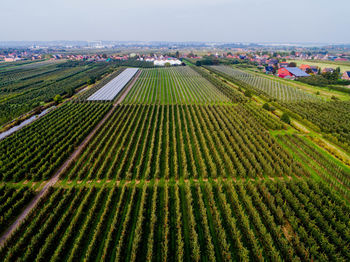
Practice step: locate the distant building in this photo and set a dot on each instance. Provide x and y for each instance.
(328, 70)
(291, 72)
(340, 59)
(269, 69)
(283, 64)
(162, 61)
(170, 61)
(314, 69)
(346, 75)
(11, 59)
(304, 67)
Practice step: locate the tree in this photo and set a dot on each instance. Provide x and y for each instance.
(334, 98)
(285, 118)
(58, 99)
(91, 81)
(177, 54)
(198, 63)
(292, 53)
(266, 106)
(308, 71)
(191, 55)
(248, 93)
(292, 64)
(70, 91)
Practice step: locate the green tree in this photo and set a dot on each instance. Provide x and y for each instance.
(248, 93)
(70, 91)
(285, 118)
(292, 64)
(266, 106)
(58, 99)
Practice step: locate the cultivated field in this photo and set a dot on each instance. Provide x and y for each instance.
(109, 91)
(182, 141)
(331, 118)
(184, 166)
(22, 88)
(192, 221)
(267, 87)
(179, 85)
(37, 150)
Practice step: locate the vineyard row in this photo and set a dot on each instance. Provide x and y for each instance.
(226, 221)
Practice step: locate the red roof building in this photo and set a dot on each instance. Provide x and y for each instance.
(283, 72)
(291, 72)
(304, 67)
(346, 75)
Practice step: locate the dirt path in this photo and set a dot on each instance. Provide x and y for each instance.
(65, 165)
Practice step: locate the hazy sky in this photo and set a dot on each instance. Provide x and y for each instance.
(176, 20)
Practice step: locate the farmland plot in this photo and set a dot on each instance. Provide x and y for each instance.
(38, 149)
(182, 141)
(268, 87)
(112, 88)
(288, 220)
(12, 201)
(178, 85)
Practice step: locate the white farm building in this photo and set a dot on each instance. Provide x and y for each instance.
(171, 61)
(161, 61)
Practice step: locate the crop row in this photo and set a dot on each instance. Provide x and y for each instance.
(28, 94)
(189, 141)
(328, 169)
(221, 85)
(12, 201)
(37, 150)
(84, 94)
(270, 88)
(178, 85)
(331, 118)
(192, 221)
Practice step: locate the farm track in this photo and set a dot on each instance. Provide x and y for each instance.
(65, 165)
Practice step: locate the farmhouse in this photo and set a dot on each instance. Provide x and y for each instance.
(283, 64)
(314, 69)
(346, 75)
(291, 72)
(269, 69)
(304, 67)
(327, 70)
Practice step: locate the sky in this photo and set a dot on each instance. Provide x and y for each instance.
(316, 21)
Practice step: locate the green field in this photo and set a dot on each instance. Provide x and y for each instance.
(37, 150)
(179, 85)
(187, 167)
(145, 142)
(267, 87)
(186, 221)
(24, 87)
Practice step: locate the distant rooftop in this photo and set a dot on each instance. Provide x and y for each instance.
(297, 71)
